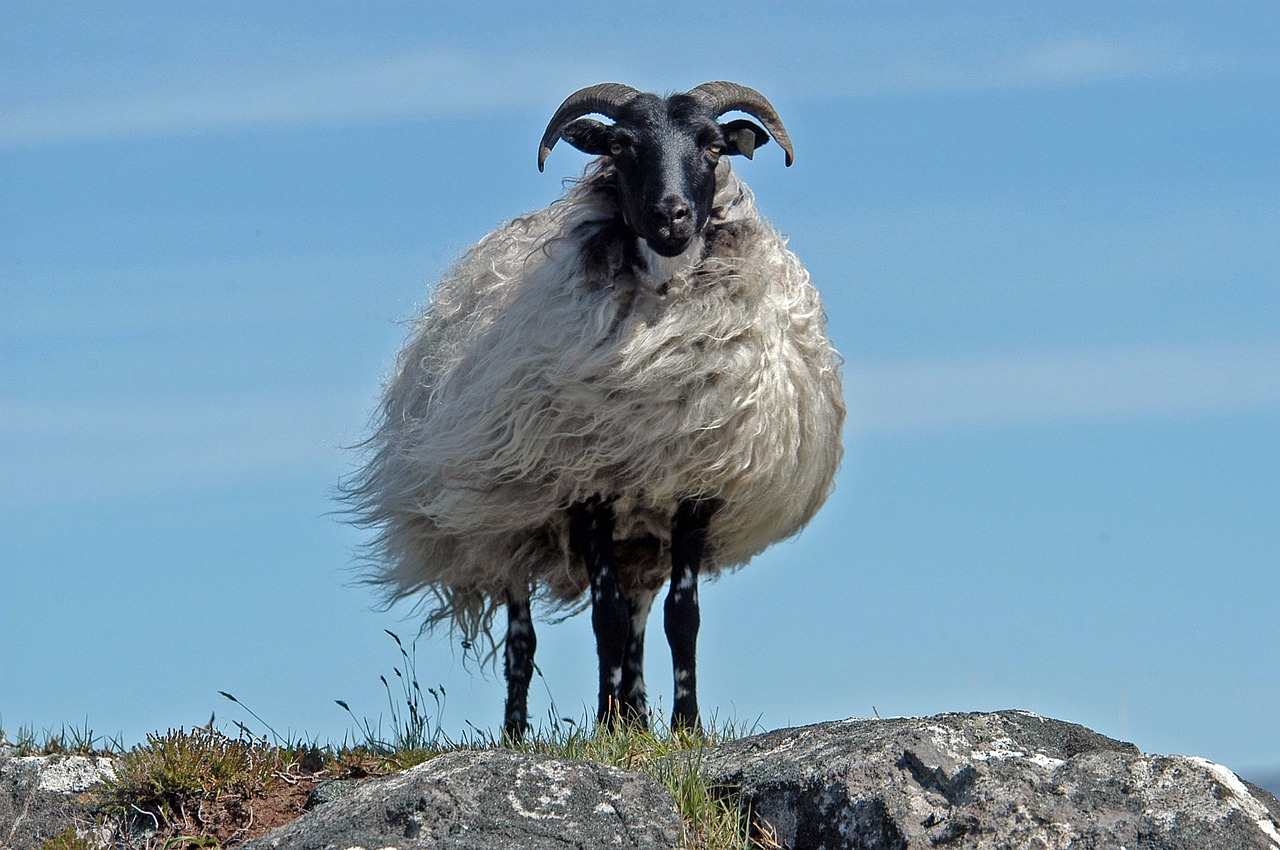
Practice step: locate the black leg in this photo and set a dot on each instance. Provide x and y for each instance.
(634, 698)
(681, 617)
(591, 535)
(521, 643)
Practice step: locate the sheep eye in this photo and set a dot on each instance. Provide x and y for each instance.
(715, 148)
(616, 148)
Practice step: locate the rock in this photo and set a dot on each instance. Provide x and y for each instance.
(476, 800)
(330, 790)
(979, 781)
(1002, 780)
(40, 796)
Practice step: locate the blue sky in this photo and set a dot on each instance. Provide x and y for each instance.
(1046, 235)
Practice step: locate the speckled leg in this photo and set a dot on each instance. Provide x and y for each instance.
(591, 534)
(634, 699)
(521, 643)
(681, 617)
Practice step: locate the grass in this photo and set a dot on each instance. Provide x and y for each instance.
(711, 818)
(67, 741)
(203, 788)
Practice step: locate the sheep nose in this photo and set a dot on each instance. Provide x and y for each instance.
(671, 216)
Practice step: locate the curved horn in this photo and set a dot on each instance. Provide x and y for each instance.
(723, 96)
(603, 98)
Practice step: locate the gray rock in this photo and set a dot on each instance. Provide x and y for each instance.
(477, 800)
(330, 790)
(1003, 780)
(40, 796)
(979, 781)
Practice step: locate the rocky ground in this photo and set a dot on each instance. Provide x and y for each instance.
(983, 780)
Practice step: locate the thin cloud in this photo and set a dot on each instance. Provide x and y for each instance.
(1091, 386)
(442, 81)
(1084, 59)
(1053, 64)
(419, 84)
(85, 450)
(56, 309)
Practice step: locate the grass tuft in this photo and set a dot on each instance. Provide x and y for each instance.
(171, 772)
(195, 788)
(68, 839)
(415, 726)
(711, 818)
(67, 741)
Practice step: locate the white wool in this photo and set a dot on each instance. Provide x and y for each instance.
(532, 382)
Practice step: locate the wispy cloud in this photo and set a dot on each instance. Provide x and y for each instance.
(1050, 63)
(1084, 59)
(445, 81)
(60, 450)
(1087, 386)
(424, 83)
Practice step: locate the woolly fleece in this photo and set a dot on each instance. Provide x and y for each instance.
(550, 366)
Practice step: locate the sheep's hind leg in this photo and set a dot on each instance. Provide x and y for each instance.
(521, 643)
(591, 535)
(680, 612)
(634, 699)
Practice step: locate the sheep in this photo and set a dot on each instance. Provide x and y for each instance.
(631, 384)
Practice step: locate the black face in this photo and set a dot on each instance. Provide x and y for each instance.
(665, 151)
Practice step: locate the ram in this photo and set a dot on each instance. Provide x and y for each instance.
(631, 385)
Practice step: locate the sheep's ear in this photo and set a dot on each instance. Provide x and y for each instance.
(589, 136)
(743, 137)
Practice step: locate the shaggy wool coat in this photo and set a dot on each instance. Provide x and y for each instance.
(557, 361)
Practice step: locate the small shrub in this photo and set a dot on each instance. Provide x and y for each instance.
(197, 788)
(171, 771)
(68, 839)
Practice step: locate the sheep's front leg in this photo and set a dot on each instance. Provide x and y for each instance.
(521, 643)
(681, 617)
(591, 535)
